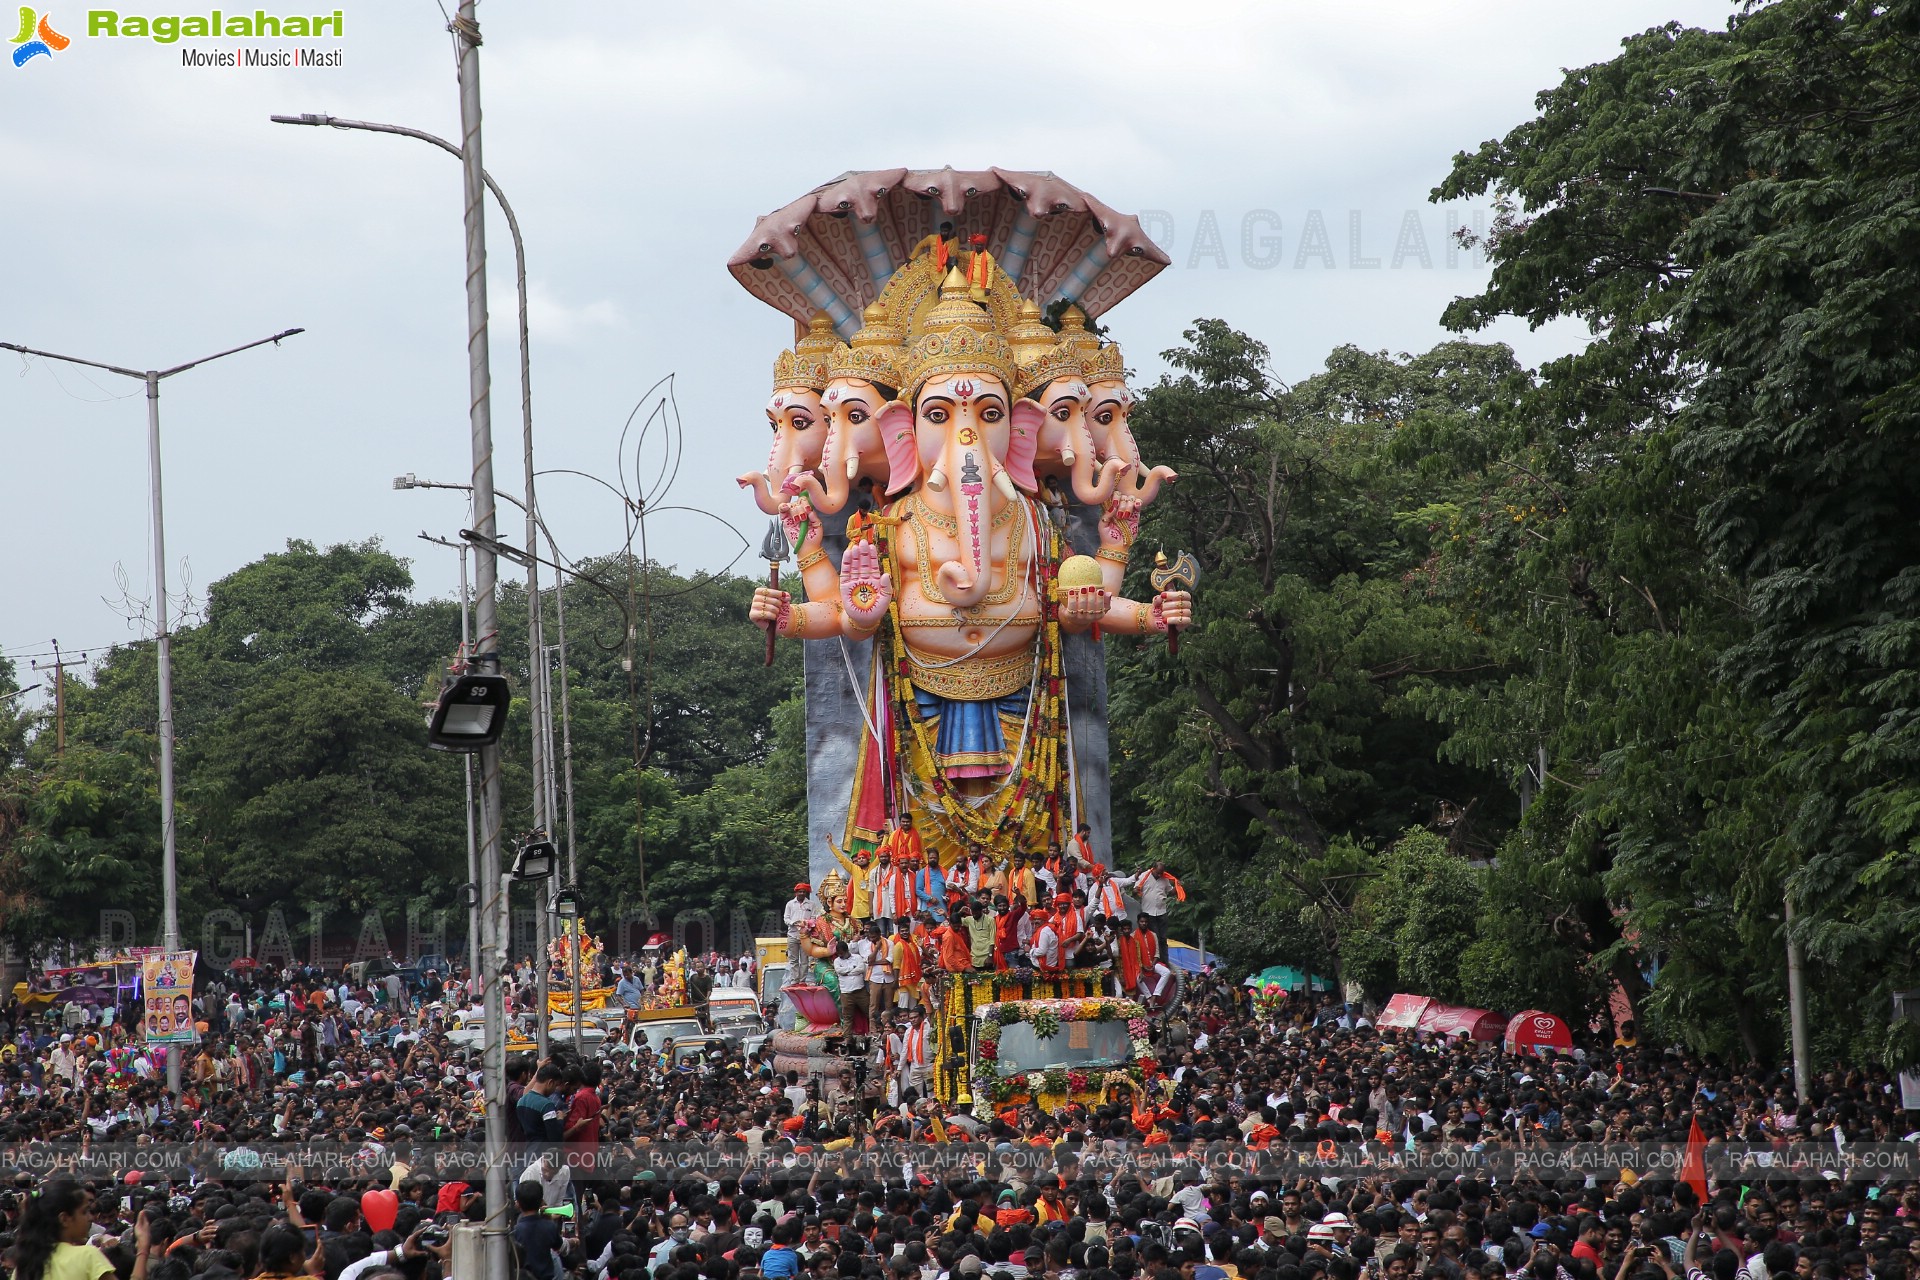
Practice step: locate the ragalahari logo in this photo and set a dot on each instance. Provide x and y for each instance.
(36, 36)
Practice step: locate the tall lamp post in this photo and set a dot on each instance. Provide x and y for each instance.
(543, 794)
(169, 861)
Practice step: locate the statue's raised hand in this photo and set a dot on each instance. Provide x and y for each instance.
(865, 591)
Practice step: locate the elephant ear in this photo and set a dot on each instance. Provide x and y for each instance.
(1023, 439)
(903, 453)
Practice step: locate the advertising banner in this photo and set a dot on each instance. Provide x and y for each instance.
(167, 980)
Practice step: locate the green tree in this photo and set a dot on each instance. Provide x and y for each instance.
(1720, 488)
(1281, 739)
(84, 835)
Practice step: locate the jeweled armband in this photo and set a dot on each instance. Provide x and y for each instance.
(792, 620)
(808, 559)
(1118, 555)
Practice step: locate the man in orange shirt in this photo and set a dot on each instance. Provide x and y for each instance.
(955, 943)
(907, 970)
(1021, 881)
(1131, 955)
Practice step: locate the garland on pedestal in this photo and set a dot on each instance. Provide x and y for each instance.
(1045, 1017)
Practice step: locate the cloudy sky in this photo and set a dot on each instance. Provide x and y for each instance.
(151, 214)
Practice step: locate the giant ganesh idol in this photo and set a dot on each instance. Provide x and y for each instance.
(952, 464)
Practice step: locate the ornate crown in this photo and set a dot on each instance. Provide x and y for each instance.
(957, 336)
(806, 365)
(1106, 365)
(1058, 361)
(875, 355)
(1073, 329)
(1030, 335)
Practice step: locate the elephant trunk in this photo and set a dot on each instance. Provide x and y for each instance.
(976, 500)
(840, 462)
(1146, 488)
(1094, 481)
(765, 496)
(770, 488)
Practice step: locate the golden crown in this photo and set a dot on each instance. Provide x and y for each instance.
(957, 336)
(1073, 329)
(875, 355)
(1030, 335)
(1058, 361)
(806, 365)
(1106, 365)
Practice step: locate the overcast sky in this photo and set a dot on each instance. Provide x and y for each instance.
(151, 214)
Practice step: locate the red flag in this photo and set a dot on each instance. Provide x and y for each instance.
(1693, 1167)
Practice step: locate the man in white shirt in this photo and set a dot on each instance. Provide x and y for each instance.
(850, 967)
(799, 910)
(555, 1179)
(1044, 948)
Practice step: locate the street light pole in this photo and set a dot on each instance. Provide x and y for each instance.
(540, 702)
(169, 856)
(466, 32)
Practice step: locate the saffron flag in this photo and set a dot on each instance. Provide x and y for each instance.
(1693, 1166)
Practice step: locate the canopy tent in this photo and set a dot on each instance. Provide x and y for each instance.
(1531, 1031)
(1289, 979)
(1187, 958)
(1423, 1013)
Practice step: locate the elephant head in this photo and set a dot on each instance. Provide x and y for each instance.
(860, 379)
(1109, 406)
(969, 440)
(796, 418)
(1052, 375)
(1064, 435)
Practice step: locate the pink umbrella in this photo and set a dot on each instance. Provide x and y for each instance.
(834, 249)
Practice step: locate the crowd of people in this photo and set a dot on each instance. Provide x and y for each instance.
(1288, 1141)
(896, 918)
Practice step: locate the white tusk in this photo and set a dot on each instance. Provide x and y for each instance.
(937, 480)
(1066, 456)
(853, 466)
(1004, 483)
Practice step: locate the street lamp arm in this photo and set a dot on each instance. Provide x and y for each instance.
(374, 126)
(521, 558)
(160, 373)
(231, 351)
(411, 483)
(91, 364)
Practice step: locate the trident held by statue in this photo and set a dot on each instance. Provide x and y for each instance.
(774, 548)
(1182, 573)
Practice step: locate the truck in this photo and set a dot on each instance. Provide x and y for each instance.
(770, 971)
(1004, 1039)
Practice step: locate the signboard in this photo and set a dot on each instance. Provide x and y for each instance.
(167, 979)
(1402, 1012)
(92, 986)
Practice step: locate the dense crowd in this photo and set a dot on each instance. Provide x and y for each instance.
(1288, 1141)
